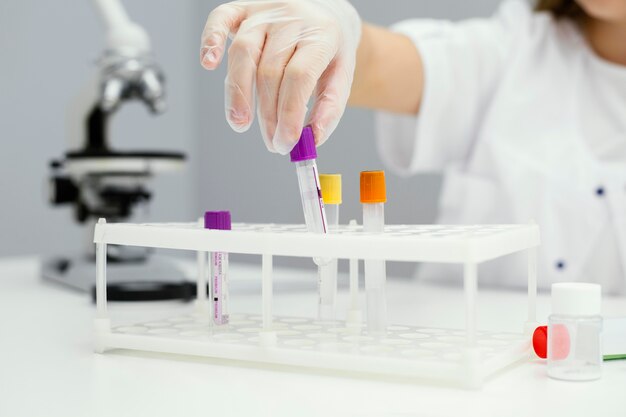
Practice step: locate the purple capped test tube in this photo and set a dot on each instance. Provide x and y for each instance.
(304, 155)
(219, 220)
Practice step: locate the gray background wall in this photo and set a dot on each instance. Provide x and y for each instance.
(48, 49)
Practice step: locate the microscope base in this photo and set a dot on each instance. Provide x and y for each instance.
(79, 273)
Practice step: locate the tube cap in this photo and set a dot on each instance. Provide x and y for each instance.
(331, 188)
(373, 189)
(540, 341)
(305, 148)
(559, 342)
(576, 299)
(217, 220)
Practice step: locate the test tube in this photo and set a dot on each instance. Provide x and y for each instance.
(373, 198)
(219, 220)
(304, 155)
(327, 274)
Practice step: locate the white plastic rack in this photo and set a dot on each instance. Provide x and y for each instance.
(463, 356)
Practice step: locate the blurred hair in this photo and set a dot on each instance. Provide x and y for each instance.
(560, 8)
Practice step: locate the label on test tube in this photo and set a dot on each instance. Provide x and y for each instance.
(320, 201)
(219, 220)
(219, 271)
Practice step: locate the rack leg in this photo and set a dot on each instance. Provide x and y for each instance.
(354, 313)
(102, 323)
(203, 304)
(354, 284)
(268, 336)
(101, 280)
(354, 318)
(473, 375)
(470, 282)
(202, 300)
(531, 324)
(267, 291)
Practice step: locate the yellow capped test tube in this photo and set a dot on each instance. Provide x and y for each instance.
(330, 185)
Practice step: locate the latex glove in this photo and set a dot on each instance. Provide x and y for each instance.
(284, 52)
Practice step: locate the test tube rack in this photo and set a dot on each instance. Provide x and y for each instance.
(461, 357)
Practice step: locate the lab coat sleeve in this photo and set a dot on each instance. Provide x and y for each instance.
(463, 63)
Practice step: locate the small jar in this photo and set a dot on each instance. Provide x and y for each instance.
(574, 332)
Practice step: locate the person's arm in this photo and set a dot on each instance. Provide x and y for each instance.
(389, 74)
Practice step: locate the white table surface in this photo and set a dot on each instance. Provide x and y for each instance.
(47, 367)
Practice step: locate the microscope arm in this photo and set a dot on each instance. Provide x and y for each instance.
(126, 71)
(122, 33)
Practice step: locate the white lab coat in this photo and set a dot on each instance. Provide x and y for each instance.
(527, 124)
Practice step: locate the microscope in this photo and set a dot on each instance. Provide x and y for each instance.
(100, 181)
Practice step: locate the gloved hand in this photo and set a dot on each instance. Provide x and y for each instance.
(288, 51)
